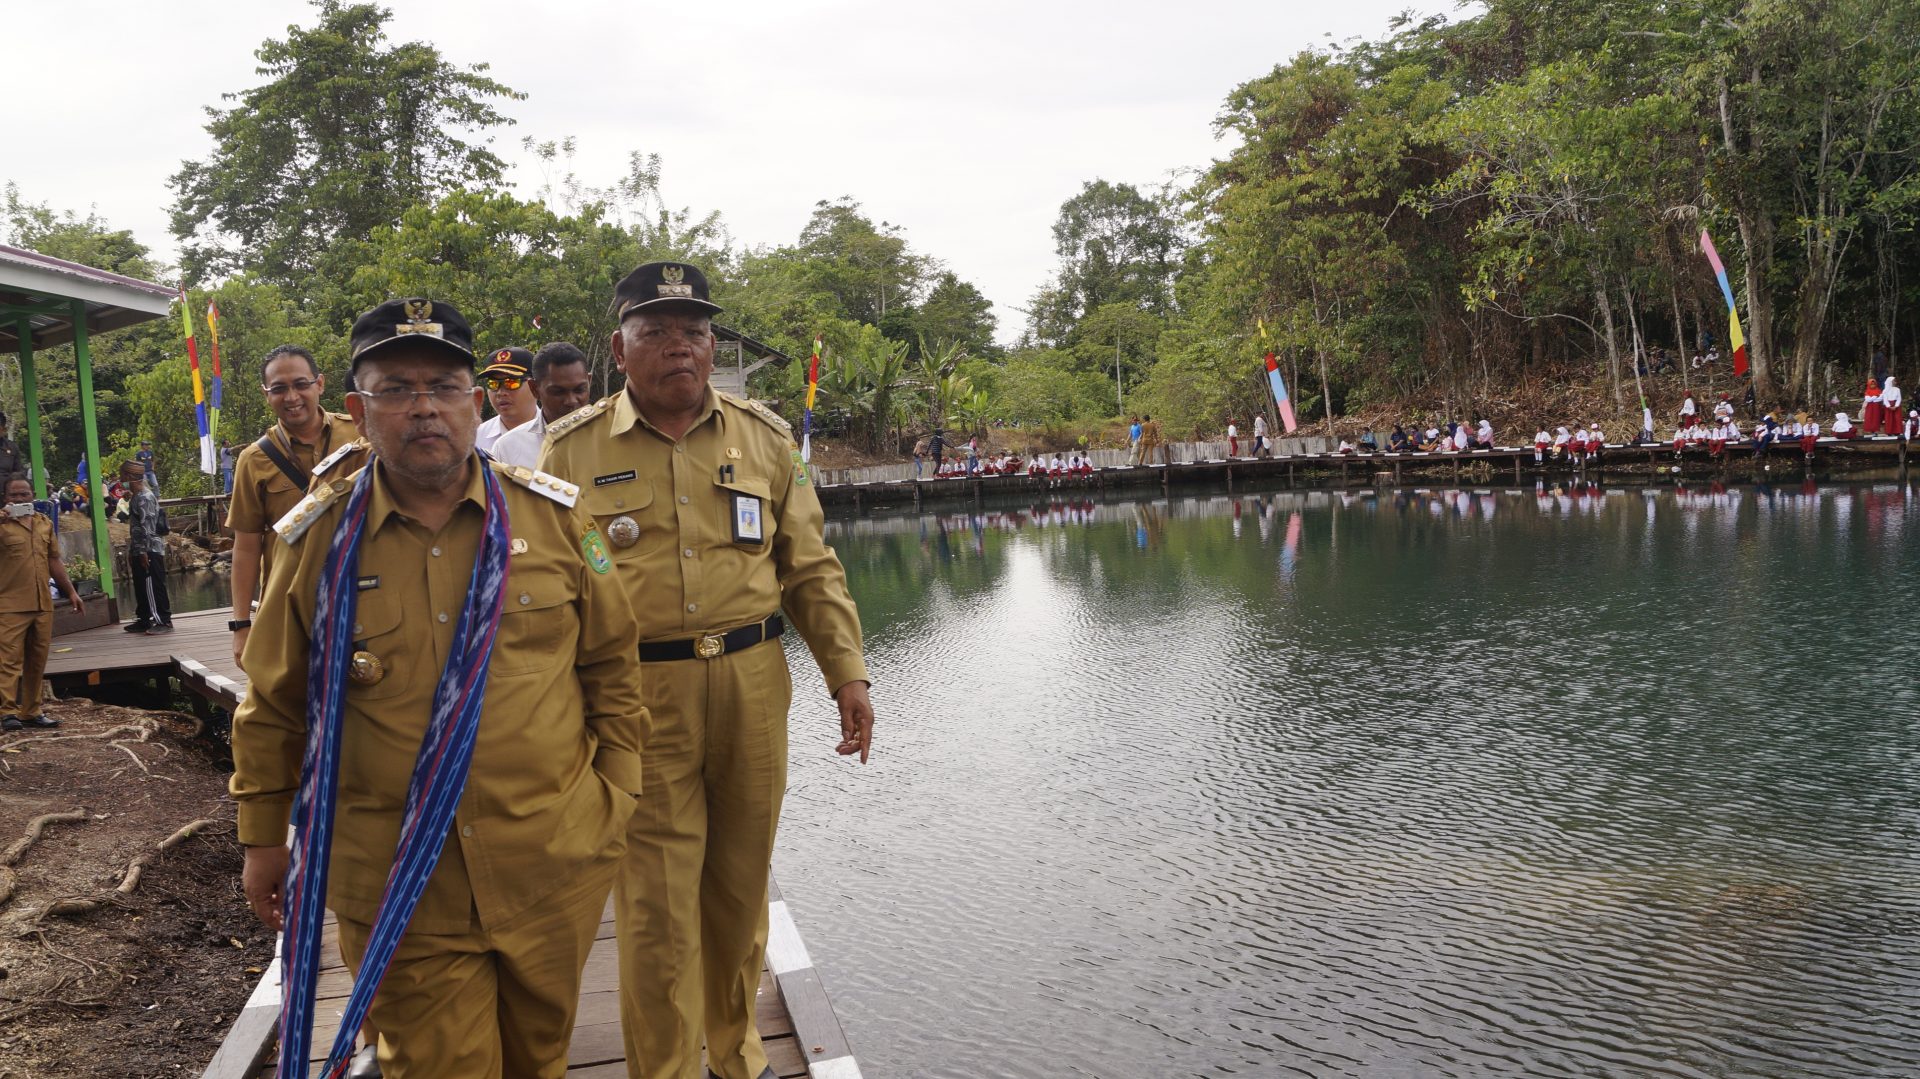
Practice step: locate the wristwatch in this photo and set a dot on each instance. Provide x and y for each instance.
(239, 624)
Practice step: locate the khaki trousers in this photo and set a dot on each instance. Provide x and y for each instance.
(25, 637)
(691, 899)
(490, 1002)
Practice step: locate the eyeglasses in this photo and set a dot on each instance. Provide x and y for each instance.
(298, 385)
(396, 398)
(503, 382)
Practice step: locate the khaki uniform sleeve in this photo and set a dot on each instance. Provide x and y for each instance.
(245, 511)
(270, 728)
(813, 585)
(608, 665)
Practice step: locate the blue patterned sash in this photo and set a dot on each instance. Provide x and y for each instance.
(433, 794)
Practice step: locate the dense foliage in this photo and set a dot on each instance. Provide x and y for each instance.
(1452, 211)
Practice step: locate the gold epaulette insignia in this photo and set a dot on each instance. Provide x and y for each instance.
(309, 509)
(774, 419)
(338, 455)
(578, 418)
(539, 482)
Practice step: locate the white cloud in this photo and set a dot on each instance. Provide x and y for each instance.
(967, 125)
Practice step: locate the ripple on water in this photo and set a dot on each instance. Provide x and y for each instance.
(1449, 785)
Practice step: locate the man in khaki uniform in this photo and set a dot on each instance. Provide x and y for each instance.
(29, 554)
(272, 474)
(715, 530)
(486, 979)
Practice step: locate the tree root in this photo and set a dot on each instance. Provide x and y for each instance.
(131, 879)
(35, 828)
(144, 731)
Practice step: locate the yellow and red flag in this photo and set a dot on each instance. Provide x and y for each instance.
(208, 464)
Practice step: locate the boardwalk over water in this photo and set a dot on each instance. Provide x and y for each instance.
(797, 1023)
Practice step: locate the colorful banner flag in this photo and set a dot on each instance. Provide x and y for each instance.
(1278, 385)
(1735, 339)
(213, 409)
(813, 389)
(208, 464)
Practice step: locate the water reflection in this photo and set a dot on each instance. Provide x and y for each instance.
(1531, 781)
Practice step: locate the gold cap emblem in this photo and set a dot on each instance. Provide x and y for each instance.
(419, 319)
(673, 275)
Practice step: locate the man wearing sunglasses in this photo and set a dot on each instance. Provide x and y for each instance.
(273, 474)
(562, 383)
(505, 377)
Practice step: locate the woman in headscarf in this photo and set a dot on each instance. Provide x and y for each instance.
(1872, 412)
(1842, 426)
(1890, 398)
(1484, 437)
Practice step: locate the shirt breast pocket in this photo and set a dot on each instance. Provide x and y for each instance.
(748, 504)
(624, 514)
(377, 630)
(538, 624)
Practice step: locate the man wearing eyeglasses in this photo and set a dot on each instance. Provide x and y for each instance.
(273, 474)
(505, 377)
(562, 384)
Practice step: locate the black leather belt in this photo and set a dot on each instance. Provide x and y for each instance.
(714, 645)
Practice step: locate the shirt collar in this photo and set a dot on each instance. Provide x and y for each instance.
(625, 415)
(380, 504)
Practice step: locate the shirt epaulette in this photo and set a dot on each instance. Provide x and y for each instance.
(539, 482)
(773, 419)
(336, 456)
(308, 510)
(577, 419)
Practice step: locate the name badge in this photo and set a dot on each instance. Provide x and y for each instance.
(747, 526)
(364, 583)
(614, 477)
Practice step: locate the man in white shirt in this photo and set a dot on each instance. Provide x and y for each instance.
(505, 377)
(560, 382)
(1260, 434)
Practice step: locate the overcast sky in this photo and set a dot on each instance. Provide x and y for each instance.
(965, 124)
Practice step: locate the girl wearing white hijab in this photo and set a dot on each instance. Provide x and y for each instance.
(1890, 396)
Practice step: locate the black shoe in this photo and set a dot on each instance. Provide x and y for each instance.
(138, 626)
(366, 1064)
(768, 1074)
(11, 723)
(42, 721)
(159, 628)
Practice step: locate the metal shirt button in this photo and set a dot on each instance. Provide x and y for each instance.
(443, 616)
(436, 552)
(692, 607)
(687, 551)
(525, 599)
(683, 500)
(467, 831)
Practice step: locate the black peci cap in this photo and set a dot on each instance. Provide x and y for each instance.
(660, 284)
(411, 320)
(510, 362)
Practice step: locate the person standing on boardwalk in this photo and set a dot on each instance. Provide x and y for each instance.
(272, 474)
(145, 457)
(227, 456)
(1233, 439)
(443, 634)
(146, 554)
(937, 446)
(561, 382)
(1891, 398)
(1133, 441)
(1150, 441)
(1260, 436)
(12, 463)
(506, 378)
(29, 557)
(716, 530)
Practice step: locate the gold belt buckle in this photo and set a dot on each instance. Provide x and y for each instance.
(709, 646)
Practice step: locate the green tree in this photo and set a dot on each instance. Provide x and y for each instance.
(1116, 246)
(345, 136)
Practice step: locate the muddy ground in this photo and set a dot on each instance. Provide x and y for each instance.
(112, 982)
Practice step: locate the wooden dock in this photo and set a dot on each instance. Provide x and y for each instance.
(1640, 461)
(797, 1023)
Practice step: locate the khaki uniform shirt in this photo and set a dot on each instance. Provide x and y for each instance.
(558, 753)
(262, 494)
(26, 561)
(691, 570)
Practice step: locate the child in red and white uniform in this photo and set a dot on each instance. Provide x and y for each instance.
(1809, 434)
(1560, 440)
(1577, 445)
(1842, 426)
(1722, 410)
(1891, 397)
(1086, 465)
(1541, 440)
(1873, 412)
(1596, 441)
(1689, 412)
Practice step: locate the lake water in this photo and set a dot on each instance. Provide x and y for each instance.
(1441, 783)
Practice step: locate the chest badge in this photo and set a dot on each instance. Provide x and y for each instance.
(518, 546)
(623, 531)
(733, 454)
(365, 669)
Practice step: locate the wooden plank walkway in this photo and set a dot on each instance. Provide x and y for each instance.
(803, 1036)
(596, 1051)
